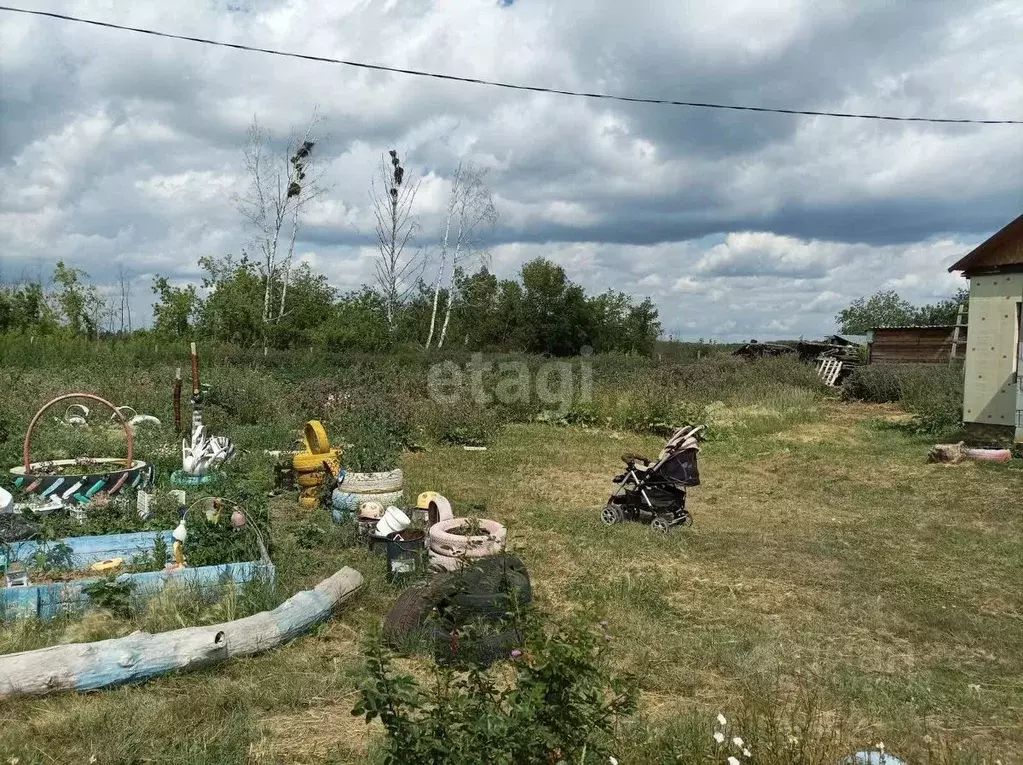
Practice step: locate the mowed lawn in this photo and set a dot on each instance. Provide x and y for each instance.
(831, 575)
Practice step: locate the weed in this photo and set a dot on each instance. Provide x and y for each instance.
(111, 594)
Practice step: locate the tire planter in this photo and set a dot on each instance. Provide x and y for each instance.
(374, 483)
(32, 477)
(443, 542)
(408, 616)
(81, 487)
(183, 480)
(346, 503)
(482, 651)
(443, 563)
(989, 455)
(483, 592)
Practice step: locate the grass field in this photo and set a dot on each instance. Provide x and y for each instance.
(834, 586)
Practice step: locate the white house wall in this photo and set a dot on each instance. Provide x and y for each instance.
(991, 352)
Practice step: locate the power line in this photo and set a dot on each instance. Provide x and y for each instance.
(507, 85)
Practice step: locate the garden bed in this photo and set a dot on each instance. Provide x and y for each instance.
(55, 598)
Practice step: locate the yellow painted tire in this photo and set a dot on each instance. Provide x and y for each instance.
(309, 480)
(316, 437)
(308, 462)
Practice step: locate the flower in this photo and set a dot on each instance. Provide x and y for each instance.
(612, 760)
(880, 746)
(721, 719)
(719, 736)
(737, 741)
(733, 761)
(516, 653)
(745, 752)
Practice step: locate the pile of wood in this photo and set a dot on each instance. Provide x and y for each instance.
(835, 361)
(755, 350)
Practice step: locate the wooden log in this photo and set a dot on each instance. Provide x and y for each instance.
(140, 656)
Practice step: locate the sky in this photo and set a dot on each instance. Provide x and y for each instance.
(123, 151)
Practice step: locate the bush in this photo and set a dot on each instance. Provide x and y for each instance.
(374, 441)
(562, 705)
(932, 392)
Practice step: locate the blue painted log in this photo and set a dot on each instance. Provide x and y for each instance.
(140, 656)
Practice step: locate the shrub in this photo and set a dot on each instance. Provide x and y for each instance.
(932, 392)
(562, 705)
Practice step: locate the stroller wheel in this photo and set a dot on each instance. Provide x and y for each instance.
(611, 514)
(659, 524)
(687, 520)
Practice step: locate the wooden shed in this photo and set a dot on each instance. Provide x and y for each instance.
(912, 345)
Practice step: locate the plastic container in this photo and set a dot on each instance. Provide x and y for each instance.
(393, 521)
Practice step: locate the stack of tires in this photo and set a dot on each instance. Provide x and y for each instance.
(450, 552)
(387, 488)
(464, 616)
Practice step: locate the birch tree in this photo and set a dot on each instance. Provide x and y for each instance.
(125, 284)
(471, 214)
(400, 263)
(280, 185)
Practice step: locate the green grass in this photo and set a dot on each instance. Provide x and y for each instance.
(834, 587)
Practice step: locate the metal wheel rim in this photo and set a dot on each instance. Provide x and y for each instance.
(609, 516)
(660, 525)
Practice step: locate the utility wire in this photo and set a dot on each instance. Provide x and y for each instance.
(507, 85)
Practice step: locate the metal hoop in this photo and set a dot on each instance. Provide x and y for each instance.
(117, 416)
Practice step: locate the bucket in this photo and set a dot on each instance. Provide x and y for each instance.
(405, 552)
(393, 521)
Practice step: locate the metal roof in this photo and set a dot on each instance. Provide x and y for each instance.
(854, 339)
(919, 326)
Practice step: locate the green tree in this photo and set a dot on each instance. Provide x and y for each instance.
(78, 303)
(233, 310)
(554, 313)
(642, 328)
(175, 310)
(943, 312)
(883, 309)
(23, 308)
(357, 322)
(887, 309)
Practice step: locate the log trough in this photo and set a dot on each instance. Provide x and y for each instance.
(141, 656)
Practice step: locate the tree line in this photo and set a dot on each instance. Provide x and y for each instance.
(888, 309)
(540, 311)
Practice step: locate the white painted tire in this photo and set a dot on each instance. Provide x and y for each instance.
(989, 455)
(480, 551)
(374, 483)
(441, 563)
(349, 502)
(444, 542)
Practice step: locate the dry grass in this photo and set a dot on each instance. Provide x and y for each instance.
(828, 560)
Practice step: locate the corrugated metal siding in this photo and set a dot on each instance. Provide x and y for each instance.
(990, 391)
(912, 345)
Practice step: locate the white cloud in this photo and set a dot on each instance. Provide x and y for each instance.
(121, 148)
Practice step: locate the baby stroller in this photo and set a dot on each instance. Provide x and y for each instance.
(656, 493)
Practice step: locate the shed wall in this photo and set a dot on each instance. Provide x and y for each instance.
(912, 345)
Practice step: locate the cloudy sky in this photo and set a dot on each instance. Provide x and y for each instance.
(123, 149)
